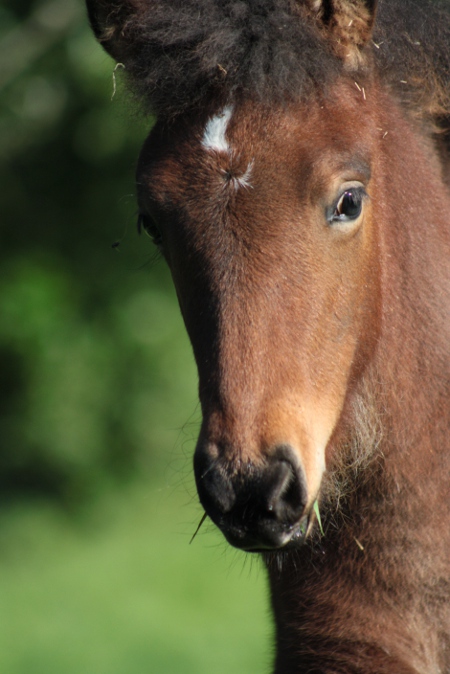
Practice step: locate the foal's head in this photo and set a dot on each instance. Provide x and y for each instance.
(265, 219)
(266, 203)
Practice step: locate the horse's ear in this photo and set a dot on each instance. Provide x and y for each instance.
(347, 23)
(108, 19)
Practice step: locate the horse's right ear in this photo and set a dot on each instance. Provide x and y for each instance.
(108, 20)
(347, 24)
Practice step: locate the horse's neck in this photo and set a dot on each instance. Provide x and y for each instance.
(412, 364)
(414, 357)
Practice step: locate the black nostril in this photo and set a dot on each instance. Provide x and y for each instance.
(256, 505)
(286, 489)
(214, 486)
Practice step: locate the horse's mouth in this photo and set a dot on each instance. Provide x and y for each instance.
(267, 536)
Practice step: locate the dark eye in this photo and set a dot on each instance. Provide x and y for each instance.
(349, 205)
(147, 224)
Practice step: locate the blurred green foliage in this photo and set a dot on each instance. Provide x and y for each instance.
(97, 377)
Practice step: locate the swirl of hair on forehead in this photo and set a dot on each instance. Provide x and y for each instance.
(181, 53)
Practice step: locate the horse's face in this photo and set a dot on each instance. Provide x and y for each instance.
(266, 221)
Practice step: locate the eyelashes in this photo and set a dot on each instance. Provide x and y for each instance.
(147, 224)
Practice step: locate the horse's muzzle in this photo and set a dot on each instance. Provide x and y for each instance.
(257, 507)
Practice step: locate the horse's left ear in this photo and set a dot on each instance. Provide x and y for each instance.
(347, 23)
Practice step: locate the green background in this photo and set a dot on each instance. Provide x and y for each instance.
(98, 408)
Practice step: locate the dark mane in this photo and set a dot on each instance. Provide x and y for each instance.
(181, 53)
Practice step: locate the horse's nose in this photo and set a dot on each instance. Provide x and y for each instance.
(257, 507)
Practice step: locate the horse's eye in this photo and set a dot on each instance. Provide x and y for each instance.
(147, 224)
(349, 205)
